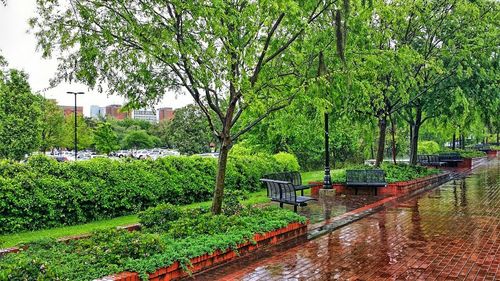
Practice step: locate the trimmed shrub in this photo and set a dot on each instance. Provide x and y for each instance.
(428, 147)
(44, 193)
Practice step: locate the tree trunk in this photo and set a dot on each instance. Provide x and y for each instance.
(415, 130)
(393, 134)
(382, 126)
(454, 141)
(221, 176)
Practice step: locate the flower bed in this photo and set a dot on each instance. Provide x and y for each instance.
(192, 240)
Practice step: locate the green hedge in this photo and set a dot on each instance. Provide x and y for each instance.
(466, 153)
(43, 193)
(113, 251)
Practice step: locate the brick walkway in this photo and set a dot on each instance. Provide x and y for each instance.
(451, 233)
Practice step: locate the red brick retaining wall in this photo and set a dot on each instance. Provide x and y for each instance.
(391, 189)
(492, 153)
(207, 261)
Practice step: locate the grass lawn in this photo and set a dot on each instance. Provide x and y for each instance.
(10, 240)
(319, 175)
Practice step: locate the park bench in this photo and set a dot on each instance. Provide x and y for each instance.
(365, 178)
(423, 160)
(435, 161)
(284, 192)
(430, 160)
(293, 177)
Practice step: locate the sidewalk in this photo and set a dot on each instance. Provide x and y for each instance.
(449, 233)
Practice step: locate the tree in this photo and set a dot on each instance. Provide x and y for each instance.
(230, 56)
(137, 140)
(84, 133)
(189, 131)
(20, 114)
(52, 125)
(105, 139)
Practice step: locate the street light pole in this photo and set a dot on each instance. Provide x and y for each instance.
(76, 126)
(327, 181)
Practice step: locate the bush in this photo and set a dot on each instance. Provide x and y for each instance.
(43, 193)
(113, 251)
(428, 147)
(466, 153)
(402, 172)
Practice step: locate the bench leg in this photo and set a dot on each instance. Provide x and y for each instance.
(281, 205)
(301, 192)
(295, 208)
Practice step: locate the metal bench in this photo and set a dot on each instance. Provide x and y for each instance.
(435, 161)
(423, 160)
(365, 178)
(284, 192)
(293, 177)
(450, 158)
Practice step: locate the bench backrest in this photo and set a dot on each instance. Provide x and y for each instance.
(423, 158)
(449, 156)
(433, 158)
(365, 176)
(280, 190)
(293, 177)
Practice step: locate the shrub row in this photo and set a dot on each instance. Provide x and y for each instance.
(43, 193)
(393, 173)
(106, 252)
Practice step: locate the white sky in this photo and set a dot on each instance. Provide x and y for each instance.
(18, 47)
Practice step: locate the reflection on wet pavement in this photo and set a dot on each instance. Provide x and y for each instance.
(450, 233)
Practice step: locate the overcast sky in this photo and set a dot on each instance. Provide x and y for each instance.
(19, 49)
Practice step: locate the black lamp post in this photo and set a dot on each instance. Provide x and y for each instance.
(76, 126)
(327, 181)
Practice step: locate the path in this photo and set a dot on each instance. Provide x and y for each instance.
(451, 233)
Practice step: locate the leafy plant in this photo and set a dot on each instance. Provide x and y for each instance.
(43, 193)
(112, 251)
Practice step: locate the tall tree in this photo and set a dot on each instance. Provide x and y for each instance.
(52, 125)
(105, 139)
(20, 113)
(189, 131)
(84, 133)
(230, 56)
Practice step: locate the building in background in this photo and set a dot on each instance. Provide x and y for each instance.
(97, 111)
(145, 114)
(166, 113)
(70, 110)
(114, 111)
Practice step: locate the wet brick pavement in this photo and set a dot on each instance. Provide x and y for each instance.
(450, 233)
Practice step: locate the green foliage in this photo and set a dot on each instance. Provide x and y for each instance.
(288, 161)
(105, 139)
(84, 131)
(232, 202)
(466, 153)
(428, 147)
(402, 172)
(20, 115)
(137, 140)
(52, 125)
(44, 193)
(113, 251)
(188, 132)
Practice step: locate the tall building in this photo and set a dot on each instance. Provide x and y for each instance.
(97, 111)
(114, 111)
(145, 114)
(166, 113)
(70, 110)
